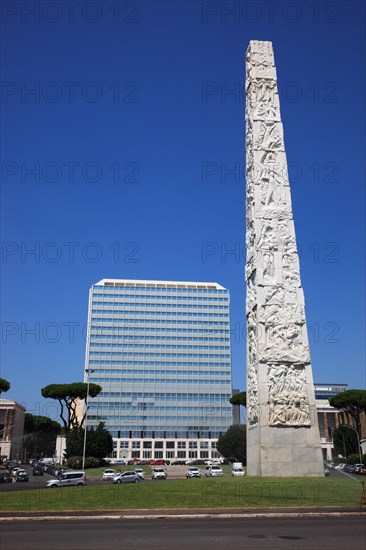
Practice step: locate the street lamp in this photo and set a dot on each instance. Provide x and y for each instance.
(358, 440)
(86, 414)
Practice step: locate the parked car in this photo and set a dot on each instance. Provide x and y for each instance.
(140, 472)
(21, 475)
(59, 471)
(38, 471)
(340, 466)
(362, 470)
(109, 474)
(193, 472)
(67, 479)
(159, 473)
(213, 471)
(120, 462)
(126, 477)
(238, 471)
(178, 463)
(5, 477)
(326, 472)
(14, 471)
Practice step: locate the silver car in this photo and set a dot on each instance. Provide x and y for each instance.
(67, 479)
(127, 477)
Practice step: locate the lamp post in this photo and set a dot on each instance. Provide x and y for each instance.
(86, 414)
(358, 440)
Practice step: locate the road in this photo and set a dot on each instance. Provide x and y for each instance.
(320, 533)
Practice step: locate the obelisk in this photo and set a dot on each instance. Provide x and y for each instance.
(282, 427)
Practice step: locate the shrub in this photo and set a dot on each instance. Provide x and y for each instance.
(76, 462)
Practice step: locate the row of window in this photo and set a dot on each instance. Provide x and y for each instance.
(166, 396)
(195, 432)
(119, 336)
(158, 313)
(129, 420)
(207, 433)
(153, 297)
(162, 381)
(170, 301)
(179, 307)
(210, 409)
(160, 444)
(129, 363)
(164, 371)
(138, 324)
(167, 355)
(142, 345)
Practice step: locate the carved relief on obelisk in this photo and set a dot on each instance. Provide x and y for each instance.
(281, 414)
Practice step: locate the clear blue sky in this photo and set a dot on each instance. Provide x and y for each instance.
(132, 132)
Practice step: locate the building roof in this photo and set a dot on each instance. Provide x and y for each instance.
(9, 403)
(159, 284)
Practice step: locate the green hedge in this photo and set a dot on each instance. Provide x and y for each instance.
(76, 462)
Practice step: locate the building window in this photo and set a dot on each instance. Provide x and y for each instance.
(136, 444)
(193, 444)
(170, 454)
(124, 444)
(181, 454)
(170, 445)
(159, 444)
(146, 455)
(147, 444)
(181, 444)
(135, 454)
(158, 454)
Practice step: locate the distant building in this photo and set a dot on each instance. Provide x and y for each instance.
(330, 418)
(161, 352)
(11, 429)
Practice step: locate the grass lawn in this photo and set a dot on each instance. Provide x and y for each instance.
(225, 492)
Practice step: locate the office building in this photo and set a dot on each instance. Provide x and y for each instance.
(161, 352)
(11, 429)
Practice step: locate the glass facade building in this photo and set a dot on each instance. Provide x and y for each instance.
(160, 350)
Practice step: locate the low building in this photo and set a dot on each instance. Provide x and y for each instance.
(330, 418)
(11, 429)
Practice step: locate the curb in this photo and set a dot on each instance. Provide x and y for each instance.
(183, 516)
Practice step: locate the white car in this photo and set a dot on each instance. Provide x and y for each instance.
(140, 472)
(238, 472)
(159, 473)
(193, 472)
(109, 474)
(213, 471)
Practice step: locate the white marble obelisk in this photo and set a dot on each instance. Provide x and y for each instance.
(282, 427)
